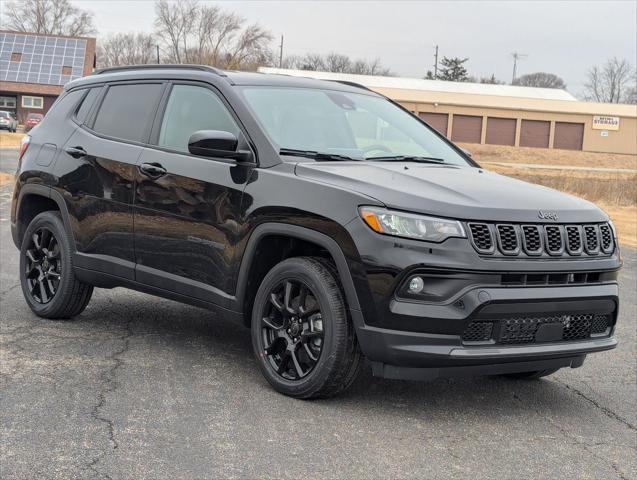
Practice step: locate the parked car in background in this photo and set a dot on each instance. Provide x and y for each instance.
(8, 121)
(33, 119)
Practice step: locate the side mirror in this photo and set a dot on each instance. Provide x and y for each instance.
(466, 152)
(220, 144)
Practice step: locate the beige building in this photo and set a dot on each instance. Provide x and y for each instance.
(505, 114)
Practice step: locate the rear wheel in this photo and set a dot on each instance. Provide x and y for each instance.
(531, 375)
(48, 282)
(302, 337)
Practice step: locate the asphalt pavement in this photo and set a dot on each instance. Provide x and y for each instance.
(141, 387)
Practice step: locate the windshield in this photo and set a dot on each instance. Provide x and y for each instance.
(358, 126)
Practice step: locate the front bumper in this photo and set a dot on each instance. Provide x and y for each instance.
(427, 355)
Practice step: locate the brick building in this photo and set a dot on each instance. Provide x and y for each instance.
(34, 69)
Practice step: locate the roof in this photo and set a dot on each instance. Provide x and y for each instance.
(464, 94)
(203, 73)
(375, 81)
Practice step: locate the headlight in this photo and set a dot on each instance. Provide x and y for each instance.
(409, 225)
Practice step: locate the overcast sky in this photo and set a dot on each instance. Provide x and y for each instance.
(561, 37)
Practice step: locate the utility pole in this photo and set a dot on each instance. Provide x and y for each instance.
(157, 54)
(516, 56)
(281, 53)
(436, 64)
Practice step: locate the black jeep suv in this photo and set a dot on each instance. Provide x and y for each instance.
(328, 219)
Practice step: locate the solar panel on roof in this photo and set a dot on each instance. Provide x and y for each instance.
(39, 59)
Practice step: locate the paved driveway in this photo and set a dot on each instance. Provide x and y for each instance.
(142, 387)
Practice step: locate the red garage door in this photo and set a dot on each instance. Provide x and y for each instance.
(535, 133)
(436, 120)
(568, 136)
(466, 128)
(501, 131)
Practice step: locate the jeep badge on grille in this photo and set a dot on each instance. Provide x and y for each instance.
(547, 215)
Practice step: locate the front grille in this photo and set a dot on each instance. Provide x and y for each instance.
(542, 240)
(478, 332)
(481, 236)
(606, 235)
(508, 239)
(531, 239)
(591, 239)
(554, 240)
(573, 239)
(524, 330)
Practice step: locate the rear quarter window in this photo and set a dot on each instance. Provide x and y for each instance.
(85, 107)
(127, 111)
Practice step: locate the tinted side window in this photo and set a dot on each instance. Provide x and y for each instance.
(127, 111)
(191, 108)
(86, 105)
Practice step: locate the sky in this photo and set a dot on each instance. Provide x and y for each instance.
(561, 37)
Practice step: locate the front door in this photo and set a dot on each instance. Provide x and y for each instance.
(187, 208)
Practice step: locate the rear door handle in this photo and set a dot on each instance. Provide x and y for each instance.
(76, 152)
(152, 170)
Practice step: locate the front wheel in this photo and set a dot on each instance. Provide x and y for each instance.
(303, 340)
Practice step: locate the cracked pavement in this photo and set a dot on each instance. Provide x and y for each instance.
(141, 387)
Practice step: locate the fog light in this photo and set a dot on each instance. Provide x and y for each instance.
(416, 285)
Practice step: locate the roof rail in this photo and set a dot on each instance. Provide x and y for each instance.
(351, 84)
(161, 66)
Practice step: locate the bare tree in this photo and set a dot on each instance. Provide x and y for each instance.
(540, 79)
(335, 62)
(126, 49)
(195, 33)
(53, 17)
(614, 82)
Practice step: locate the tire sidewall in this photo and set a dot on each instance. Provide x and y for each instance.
(53, 222)
(293, 269)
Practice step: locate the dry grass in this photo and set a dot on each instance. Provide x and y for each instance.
(10, 139)
(545, 156)
(5, 178)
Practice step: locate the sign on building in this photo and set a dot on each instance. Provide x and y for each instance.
(602, 122)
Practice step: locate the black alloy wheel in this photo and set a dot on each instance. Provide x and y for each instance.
(292, 330)
(303, 339)
(43, 267)
(47, 276)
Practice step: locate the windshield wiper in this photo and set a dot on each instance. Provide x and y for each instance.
(406, 158)
(316, 155)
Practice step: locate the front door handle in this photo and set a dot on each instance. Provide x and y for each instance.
(152, 170)
(76, 152)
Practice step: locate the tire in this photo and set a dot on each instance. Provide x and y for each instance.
(48, 281)
(312, 352)
(530, 375)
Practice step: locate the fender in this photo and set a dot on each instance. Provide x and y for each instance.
(47, 192)
(301, 233)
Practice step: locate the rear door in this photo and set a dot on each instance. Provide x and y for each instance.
(187, 217)
(97, 171)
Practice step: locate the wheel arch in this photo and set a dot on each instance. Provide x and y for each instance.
(249, 276)
(33, 200)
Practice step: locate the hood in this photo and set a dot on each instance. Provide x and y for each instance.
(452, 191)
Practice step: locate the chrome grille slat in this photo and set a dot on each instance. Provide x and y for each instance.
(574, 239)
(541, 240)
(606, 238)
(591, 239)
(532, 240)
(481, 237)
(508, 239)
